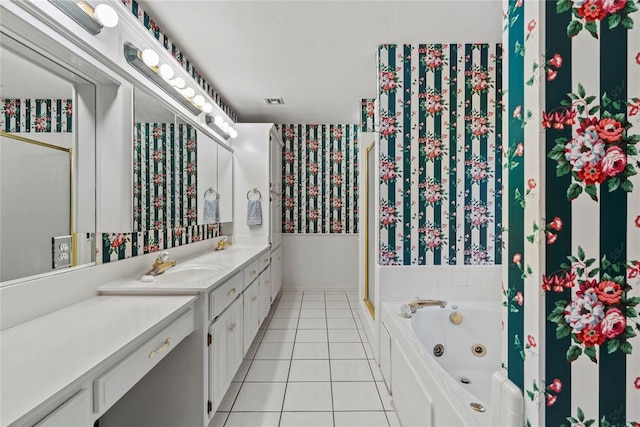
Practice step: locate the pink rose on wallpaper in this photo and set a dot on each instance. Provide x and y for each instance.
(531, 183)
(556, 386)
(636, 383)
(638, 58)
(613, 323)
(517, 112)
(517, 259)
(551, 74)
(519, 298)
(551, 399)
(556, 61)
(531, 25)
(551, 238)
(531, 341)
(614, 161)
(638, 221)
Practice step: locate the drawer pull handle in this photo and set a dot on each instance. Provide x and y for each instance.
(232, 327)
(231, 292)
(253, 272)
(266, 261)
(162, 349)
(254, 298)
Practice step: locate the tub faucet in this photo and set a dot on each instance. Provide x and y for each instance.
(410, 308)
(161, 264)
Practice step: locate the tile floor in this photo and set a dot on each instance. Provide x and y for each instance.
(310, 365)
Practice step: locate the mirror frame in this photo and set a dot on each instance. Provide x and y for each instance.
(367, 255)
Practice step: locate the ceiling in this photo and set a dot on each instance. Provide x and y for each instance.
(317, 55)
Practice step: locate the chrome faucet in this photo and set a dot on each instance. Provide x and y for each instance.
(410, 308)
(161, 264)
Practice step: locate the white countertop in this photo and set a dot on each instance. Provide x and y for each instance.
(42, 357)
(229, 261)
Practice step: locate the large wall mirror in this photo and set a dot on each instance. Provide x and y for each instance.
(176, 170)
(47, 165)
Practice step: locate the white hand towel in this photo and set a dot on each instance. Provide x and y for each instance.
(211, 214)
(254, 212)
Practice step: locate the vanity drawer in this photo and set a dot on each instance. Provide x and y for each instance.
(265, 260)
(221, 297)
(251, 273)
(113, 384)
(75, 412)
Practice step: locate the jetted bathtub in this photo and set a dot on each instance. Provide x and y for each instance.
(441, 372)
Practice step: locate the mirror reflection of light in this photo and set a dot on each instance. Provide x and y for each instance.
(207, 108)
(106, 15)
(218, 120)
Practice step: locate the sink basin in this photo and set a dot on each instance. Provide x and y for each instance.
(188, 273)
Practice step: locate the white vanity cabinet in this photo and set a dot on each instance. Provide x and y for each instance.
(225, 351)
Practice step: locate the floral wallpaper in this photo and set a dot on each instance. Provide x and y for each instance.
(164, 196)
(157, 32)
(320, 178)
(36, 115)
(367, 113)
(440, 125)
(165, 176)
(572, 286)
(117, 246)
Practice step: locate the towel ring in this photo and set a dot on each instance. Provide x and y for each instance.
(254, 191)
(211, 190)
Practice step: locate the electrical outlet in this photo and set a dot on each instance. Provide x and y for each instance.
(61, 252)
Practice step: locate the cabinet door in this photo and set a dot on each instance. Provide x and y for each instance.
(251, 324)
(218, 360)
(276, 272)
(265, 295)
(234, 337)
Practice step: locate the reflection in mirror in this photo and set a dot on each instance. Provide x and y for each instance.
(47, 173)
(207, 170)
(225, 183)
(157, 163)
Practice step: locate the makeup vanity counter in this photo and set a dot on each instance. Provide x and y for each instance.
(70, 366)
(234, 292)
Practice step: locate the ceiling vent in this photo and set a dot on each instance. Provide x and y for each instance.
(274, 101)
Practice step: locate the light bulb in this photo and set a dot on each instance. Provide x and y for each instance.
(106, 15)
(150, 57)
(218, 120)
(225, 127)
(178, 82)
(207, 108)
(166, 72)
(233, 133)
(189, 92)
(198, 100)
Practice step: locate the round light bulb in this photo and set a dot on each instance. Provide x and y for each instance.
(150, 57)
(218, 120)
(233, 133)
(198, 100)
(225, 127)
(189, 92)
(106, 15)
(166, 72)
(178, 82)
(207, 108)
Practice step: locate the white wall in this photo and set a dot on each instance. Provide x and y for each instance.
(459, 283)
(320, 261)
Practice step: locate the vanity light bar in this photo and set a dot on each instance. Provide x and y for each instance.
(221, 127)
(91, 19)
(133, 55)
